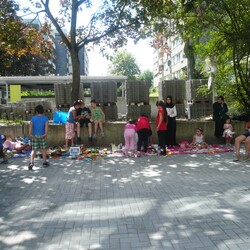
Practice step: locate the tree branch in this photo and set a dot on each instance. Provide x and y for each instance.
(53, 20)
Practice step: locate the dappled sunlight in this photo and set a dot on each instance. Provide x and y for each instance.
(29, 207)
(116, 208)
(189, 206)
(31, 179)
(172, 166)
(20, 237)
(139, 203)
(238, 197)
(192, 164)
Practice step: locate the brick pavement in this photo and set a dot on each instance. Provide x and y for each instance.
(198, 202)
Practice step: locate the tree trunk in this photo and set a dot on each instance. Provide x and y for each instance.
(75, 75)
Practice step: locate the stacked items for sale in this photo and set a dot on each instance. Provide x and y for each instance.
(174, 88)
(199, 102)
(28, 108)
(180, 109)
(137, 98)
(110, 111)
(105, 95)
(104, 92)
(63, 95)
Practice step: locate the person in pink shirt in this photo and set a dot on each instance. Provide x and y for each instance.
(129, 137)
(144, 132)
(17, 145)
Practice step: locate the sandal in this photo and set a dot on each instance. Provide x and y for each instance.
(236, 158)
(246, 157)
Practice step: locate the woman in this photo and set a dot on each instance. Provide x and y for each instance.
(172, 113)
(219, 115)
(161, 126)
(238, 140)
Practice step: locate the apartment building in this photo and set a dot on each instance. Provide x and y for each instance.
(63, 64)
(169, 60)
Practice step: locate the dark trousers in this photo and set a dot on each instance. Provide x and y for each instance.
(219, 123)
(162, 140)
(143, 135)
(171, 132)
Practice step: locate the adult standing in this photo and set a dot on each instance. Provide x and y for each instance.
(219, 115)
(172, 113)
(161, 126)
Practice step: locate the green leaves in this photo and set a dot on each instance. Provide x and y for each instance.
(22, 44)
(124, 63)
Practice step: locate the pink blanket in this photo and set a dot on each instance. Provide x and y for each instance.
(211, 149)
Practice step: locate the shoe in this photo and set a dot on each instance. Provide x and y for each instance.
(94, 135)
(45, 164)
(138, 154)
(5, 162)
(236, 158)
(31, 164)
(145, 154)
(90, 139)
(102, 134)
(246, 157)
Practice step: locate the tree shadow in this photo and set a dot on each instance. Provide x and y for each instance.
(174, 202)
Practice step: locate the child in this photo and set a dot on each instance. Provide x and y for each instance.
(70, 125)
(17, 145)
(129, 136)
(98, 117)
(83, 117)
(2, 155)
(144, 132)
(38, 131)
(228, 131)
(198, 140)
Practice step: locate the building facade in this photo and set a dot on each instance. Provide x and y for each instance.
(63, 63)
(169, 60)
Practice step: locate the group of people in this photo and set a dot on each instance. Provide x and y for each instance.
(165, 128)
(224, 128)
(78, 116)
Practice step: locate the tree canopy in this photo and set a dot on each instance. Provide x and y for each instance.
(24, 50)
(124, 63)
(108, 23)
(146, 75)
(217, 31)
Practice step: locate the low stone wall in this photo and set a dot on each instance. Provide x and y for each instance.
(114, 132)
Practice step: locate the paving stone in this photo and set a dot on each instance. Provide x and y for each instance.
(197, 202)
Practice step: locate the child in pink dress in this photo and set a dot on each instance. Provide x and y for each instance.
(129, 137)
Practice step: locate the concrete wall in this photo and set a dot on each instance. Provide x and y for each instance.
(114, 132)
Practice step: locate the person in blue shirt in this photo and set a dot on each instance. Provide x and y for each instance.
(38, 131)
(2, 155)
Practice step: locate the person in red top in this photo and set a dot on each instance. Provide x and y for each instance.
(144, 131)
(161, 126)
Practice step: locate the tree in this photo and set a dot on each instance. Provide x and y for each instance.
(24, 50)
(146, 75)
(218, 30)
(110, 24)
(222, 34)
(124, 63)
